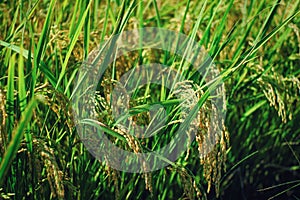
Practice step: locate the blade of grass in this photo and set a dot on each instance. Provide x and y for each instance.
(10, 96)
(72, 25)
(253, 109)
(237, 164)
(246, 32)
(279, 185)
(12, 26)
(158, 19)
(23, 96)
(284, 191)
(102, 127)
(86, 32)
(41, 47)
(219, 32)
(105, 21)
(15, 48)
(206, 34)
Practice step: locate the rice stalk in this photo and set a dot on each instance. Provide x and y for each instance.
(3, 136)
(48, 160)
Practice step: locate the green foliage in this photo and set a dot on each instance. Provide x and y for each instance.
(255, 45)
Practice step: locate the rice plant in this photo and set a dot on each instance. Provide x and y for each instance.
(255, 46)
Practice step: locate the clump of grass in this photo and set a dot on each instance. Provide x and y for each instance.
(253, 43)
